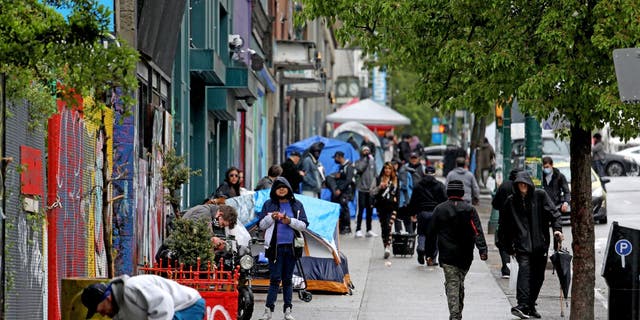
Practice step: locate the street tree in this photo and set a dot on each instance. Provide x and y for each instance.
(555, 56)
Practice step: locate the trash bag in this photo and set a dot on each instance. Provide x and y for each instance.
(513, 268)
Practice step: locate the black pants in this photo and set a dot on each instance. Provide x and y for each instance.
(345, 215)
(530, 277)
(365, 202)
(405, 217)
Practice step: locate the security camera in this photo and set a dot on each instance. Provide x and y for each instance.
(250, 101)
(235, 41)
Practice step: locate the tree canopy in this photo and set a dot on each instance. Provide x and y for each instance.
(552, 55)
(39, 48)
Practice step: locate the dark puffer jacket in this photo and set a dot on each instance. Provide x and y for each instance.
(525, 220)
(427, 195)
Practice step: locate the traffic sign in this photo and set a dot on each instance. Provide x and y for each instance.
(623, 248)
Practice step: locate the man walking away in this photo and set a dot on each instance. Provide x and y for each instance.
(485, 160)
(524, 231)
(366, 180)
(341, 185)
(556, 185)
(292, 172)
(426, 196)
(471, 189)
(503, 192)
(597, 155)
(266, 182)
(457, 227)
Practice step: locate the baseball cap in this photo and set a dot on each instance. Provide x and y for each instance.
(413, 155)
(430, 170)
(338, 154)
(294, 154)
(92, 296)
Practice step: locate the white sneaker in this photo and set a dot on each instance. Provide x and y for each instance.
(371, 234)
(359, 234)
(287, 314)
(387, 252)
(266, 315)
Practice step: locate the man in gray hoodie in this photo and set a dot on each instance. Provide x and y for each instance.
(365, 181)
(143, 297)
(471, 189)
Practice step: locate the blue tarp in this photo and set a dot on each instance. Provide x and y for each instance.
(322, 215)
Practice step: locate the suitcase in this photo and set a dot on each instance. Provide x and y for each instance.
(403, 244)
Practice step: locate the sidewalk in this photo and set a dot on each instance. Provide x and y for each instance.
(402, 290)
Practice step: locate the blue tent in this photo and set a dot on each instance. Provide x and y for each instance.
(326, 158)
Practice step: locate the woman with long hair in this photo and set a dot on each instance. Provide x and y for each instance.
(385, 194)
(230, 187)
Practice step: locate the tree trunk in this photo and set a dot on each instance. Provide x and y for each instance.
(583, 280)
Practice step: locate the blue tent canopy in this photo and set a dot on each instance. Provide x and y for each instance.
(330, 148)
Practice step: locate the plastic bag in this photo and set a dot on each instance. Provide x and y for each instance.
(513, 276)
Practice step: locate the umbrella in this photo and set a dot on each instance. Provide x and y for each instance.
(561, 260)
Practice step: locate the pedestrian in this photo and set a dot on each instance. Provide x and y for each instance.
(598, 155)
(313, 174)
(451, 153)
(342, 185)
(143, 297)
(243, 190)
(230, 187)
(471, 189)
(524, 232)
(385, 195)
(365, 181)
(502, 193)
(283, 218)
(389, 142)
(292, 172)
(368, 143)
(426, 196)
(224, 223)
(415, 168)
(485, 160)
(266, 182)
(404, 148)
(405, 189)
(556, 185)
(457, 228)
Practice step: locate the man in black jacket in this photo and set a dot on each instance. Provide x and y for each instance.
(425, 197)
(291, 171)
(524, 231)
(504, 191)
(556, 185)
(342, 187)
(457, 227)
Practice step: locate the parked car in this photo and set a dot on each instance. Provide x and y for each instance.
(624, 162)
(434, 155)
(598, 194)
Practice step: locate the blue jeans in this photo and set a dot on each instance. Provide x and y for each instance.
(195, 312)
(281, 270)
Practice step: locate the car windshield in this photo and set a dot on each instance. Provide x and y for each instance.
(566, 170)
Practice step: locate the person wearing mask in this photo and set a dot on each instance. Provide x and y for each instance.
(426, 196)
(230, 187)
(366, 180)
(282, 217)
(524, 222)
(385, 193)
(504, 191)
(292, 172)
(143, 297)
(313, 171)
(341, 184)
(457, 228)
(598, 155)
(556, 185)
(471, 189)
(266, 182)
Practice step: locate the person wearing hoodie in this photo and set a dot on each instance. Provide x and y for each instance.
(283, 218)
(471, 189)
(143, 297)
(504, 191)
(455, 228)
(313, 171)
(524, 222)
(426, 196)
(365, 181)
(230, 187)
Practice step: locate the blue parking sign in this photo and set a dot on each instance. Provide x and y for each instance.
(623, 248)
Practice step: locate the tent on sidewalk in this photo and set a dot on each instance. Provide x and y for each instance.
(326, 269)
(369, 113)
(356, 131)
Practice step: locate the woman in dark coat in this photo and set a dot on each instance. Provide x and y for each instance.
(385, 194)
(230, 187)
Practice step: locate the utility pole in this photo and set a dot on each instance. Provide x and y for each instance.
(503, 122)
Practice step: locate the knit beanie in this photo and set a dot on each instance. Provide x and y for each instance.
(455, 188)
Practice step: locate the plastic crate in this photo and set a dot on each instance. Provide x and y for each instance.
(403, 244)
(220, 305)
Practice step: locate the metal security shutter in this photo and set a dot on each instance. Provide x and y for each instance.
(25, 287)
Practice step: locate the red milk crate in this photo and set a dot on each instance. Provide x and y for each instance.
(218, 288)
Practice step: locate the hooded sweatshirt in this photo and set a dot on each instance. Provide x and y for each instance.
(471, 189)
(296, 214)
(525, 219)
(456, 227)
(427, 195)
(150, 297)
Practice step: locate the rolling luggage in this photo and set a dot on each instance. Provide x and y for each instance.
(403, 243)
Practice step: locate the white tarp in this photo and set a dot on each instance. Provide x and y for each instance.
(369, 112)
(358, 128)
